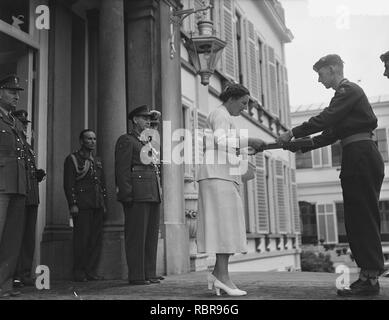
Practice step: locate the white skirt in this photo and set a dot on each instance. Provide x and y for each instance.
(220, 223)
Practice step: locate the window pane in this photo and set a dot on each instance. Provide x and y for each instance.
(384, 216)
(303, 160)
(324, 156)
(336, 151)
(340, 219)
(330, 219)
(381, 141)
(316, 157)
(329, 208)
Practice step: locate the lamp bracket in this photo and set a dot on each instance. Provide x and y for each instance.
(180, 15)
(176, 18)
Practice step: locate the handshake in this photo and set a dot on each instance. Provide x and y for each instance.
(282, 142)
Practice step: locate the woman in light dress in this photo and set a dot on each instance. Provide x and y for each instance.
(221, 226)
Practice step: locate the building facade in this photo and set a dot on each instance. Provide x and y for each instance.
(256, 34)
(319, 190)
(87, 63)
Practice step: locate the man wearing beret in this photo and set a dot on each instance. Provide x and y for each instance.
(12, 184)
(350, 119)
(85, 190)
(139, 191)
(385, 59)
(23, 274)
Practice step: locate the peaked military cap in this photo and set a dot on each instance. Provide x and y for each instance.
(144, 110)
(10, 82)
(21, 115)
(328, 60)
(385, 57)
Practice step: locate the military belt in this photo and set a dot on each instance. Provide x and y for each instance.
(142, 168)
(356, 137)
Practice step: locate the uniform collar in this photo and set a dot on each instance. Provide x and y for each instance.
(344, 80)
(81, 154)
(7, 117)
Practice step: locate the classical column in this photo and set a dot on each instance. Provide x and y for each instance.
(111, 124)
(176, 231)
(155, 79)
(56, 248)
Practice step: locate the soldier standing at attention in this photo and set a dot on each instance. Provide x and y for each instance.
(350, 119)
(84, 185)
(385, 59)
(23, 276)
(12, 184)
(139, 192)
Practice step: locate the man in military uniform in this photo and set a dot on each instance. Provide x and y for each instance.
(85, 190)
(385, 59)
(139, 191)
(351, 119)
(12, 184)
(23, 274)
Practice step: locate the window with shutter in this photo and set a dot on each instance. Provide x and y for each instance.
(239, 47)
(282, 222)
(287, 103)
(303, 160)
(272, 81)
(266, 81)
(262, 210)
(251, 58)
(382, 143)
(327, 223)
(384, 212)
(316, 155)
(336, 154)
(325, 157)
(217, 18)
(261, 85)
(199, 122)
(228, 34)
(188, 150)
(280, 91)
(295, 206)
(189, 23)
(342, 237)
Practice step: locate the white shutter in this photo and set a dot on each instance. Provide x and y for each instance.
(286, 97)
(295, 206)
(282, 221)
(280, 90)
(217, 23)
(252, 61)
(199, 121)
(262, 214)
(272, 81)
(228, 35)
(265, 77)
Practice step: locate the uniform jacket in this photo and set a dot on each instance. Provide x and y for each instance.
(135, 181)
(32, 197)
(349, 113)
(85, 185)
(12, 154)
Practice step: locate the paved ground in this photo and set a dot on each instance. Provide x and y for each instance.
(193, 286)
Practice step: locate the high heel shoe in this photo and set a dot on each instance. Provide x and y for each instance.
(213, 282)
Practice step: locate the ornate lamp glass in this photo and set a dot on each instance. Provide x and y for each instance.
(204, 50)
